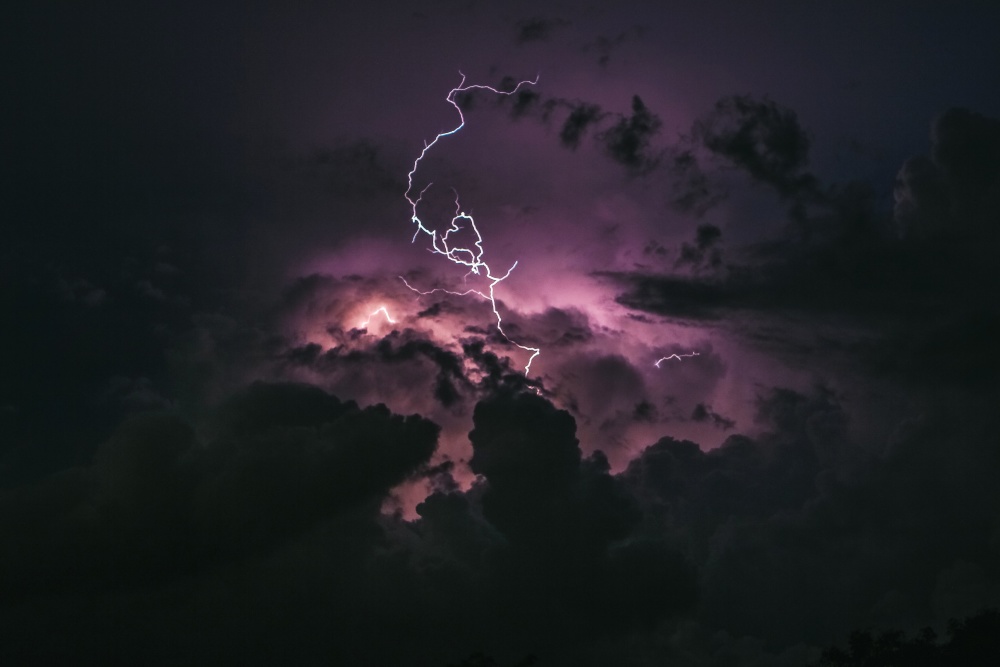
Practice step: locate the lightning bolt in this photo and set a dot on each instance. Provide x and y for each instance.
(470, 257)
(381, 309)
(678, 357)
(444, 291)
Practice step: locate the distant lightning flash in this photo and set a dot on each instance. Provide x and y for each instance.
(381, 309)
(678, 357)
(471, 257)
(445, 291)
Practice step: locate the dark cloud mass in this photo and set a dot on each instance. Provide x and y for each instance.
(916, 295)
(761, 138)
(247, 417)
(558, 552)
(538, 29)
(628, 140)
(576, 124)
(954, 191)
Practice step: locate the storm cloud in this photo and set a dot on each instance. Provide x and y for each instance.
(247, 417)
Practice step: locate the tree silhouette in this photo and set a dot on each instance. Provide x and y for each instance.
(972, 642)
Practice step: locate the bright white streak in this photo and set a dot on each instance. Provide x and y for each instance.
(381, 309)
(469, 257)
(678, 357)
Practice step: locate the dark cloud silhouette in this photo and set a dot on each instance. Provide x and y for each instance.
(838, 257)
(954, 192)
(753, 510)
(580, 118)
(157, 504)
(762, 138)
(160, 510)
(954, 351)
(498, 373)
(89, 353)
(525, 102)
(704, 413)
(625, 138)
(563, 523)
(705, 253)
(290, 477)
(283, 484)
(398, 348)
(628, 140)
(691, 189)
(677, 296)
(450, 371)
(538, 29)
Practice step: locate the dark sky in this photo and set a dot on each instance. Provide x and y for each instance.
(243, 420)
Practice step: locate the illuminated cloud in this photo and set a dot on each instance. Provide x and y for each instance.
(231, 433)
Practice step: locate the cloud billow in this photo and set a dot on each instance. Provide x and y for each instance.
(953, 193)
(156, 503)
(548, 552)
(628, 140)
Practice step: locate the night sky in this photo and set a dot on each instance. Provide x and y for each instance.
(248, 416)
